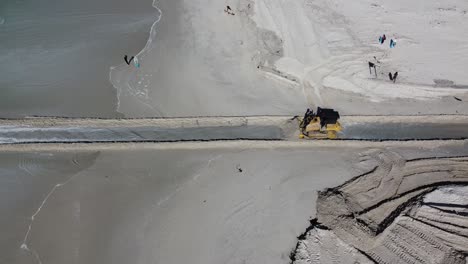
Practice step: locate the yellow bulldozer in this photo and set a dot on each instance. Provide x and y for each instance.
(321, 125)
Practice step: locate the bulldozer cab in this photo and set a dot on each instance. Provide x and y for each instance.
(320, 125)
(327, 116)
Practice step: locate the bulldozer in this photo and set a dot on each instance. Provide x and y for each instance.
(320, 125)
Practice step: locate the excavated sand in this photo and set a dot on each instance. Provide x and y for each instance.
(397, 212)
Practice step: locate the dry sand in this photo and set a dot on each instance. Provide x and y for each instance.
(271, 57)
(202, 61)
(174, 203)
(277, 57)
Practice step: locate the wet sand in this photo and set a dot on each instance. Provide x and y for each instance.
(56, 55)
(172, 203)
(143, 206)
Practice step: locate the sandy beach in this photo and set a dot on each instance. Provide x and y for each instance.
(237, 202)
(148, 215)
(273, 57)
(193, 152)
(268, 58)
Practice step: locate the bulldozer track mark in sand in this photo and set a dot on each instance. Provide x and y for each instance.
(436, 205)
(441, 222)
(422, 187)
(454, 212)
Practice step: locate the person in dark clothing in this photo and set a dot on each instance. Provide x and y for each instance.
(395, 75)
(128, 61)
(383, 39)
(390, 76)
(372, 65)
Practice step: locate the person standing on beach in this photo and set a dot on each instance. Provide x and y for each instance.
(395, 75)
(390, 76)
(372, 65)
(137, 64)
(127, 60)
(382, 39)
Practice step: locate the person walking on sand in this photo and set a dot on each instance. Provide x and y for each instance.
(372, 65)
(395, 75)
(390, 76)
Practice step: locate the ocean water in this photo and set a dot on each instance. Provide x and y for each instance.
(56, 55)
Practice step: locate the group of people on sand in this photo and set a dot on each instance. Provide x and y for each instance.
(373, 65)
(383, 38)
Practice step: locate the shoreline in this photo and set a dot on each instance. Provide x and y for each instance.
(139, 55)
(60, 56)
